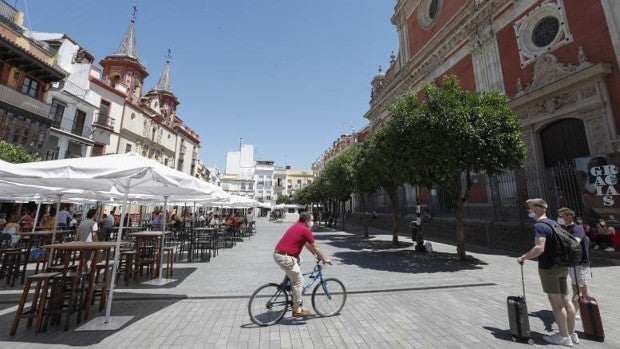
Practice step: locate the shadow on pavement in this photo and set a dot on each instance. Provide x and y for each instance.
(546, 316)
(179, 275)
(355, 242)
(140, 308)
(505, 334)
(405, 261)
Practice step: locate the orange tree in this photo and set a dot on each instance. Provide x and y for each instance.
(455, 133)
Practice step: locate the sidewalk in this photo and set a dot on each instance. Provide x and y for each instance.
(397, 299)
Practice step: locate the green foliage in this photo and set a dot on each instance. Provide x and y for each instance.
(457, 132)
(337, 176)
(15, 153)
(282, 199)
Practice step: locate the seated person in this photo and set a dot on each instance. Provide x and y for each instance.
(603, 236)
(12, 228)
(157, 221)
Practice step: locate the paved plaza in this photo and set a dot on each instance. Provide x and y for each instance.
(397, 299)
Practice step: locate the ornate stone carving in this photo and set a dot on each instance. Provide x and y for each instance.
(549, 69)
(588, 92)
(598, 137)
(556, 102)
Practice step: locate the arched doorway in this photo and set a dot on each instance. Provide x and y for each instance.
(562, 141)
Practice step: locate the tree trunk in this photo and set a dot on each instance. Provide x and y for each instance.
(364, 216)
(460, 233)
(393, 194)
(343, 214)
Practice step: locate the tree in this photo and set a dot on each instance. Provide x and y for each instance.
(364, 179)
(387, 155)
(15, 153)
(337, 178)
(456, 133)
(282, 199)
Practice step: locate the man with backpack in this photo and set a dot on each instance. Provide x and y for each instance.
(579, 273)
(552, 276)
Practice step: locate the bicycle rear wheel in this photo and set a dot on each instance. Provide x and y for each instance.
(328, 297)
(268, 304)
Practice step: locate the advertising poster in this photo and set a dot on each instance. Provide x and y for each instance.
(598, 176)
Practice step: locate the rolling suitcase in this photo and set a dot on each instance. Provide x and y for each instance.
(591, 318)
(518, 316)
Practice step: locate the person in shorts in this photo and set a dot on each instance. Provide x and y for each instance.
(578, 275)
(552, 276)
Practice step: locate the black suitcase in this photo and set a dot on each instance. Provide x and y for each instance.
(518, 316)
(591, 318)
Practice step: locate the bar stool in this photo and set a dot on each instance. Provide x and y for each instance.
(66, 297)
(169, 255)
(125, 265)
(11, 267)
(37, 303)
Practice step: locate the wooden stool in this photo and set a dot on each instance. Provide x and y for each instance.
(125, 265)
(37, 304)
(67, 296)
(169, 254)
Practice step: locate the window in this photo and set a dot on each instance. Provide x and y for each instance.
(128, 150)
(104, 112)
(97, 149)
(57, 110)
(30, 86)
(541, 31)
(428, 12)
(545, 31)
(78, 123)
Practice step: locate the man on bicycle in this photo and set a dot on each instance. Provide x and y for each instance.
(287, 252)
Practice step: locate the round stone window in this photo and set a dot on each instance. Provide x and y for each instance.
(428, 11)
(545, 31)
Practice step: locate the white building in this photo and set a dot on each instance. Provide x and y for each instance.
(73, 104)
(264, 181)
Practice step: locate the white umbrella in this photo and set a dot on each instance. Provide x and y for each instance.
(128, 173)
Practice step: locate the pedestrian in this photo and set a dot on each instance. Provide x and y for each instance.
(552, 276)
(287, 252)
(578, 274)
(87, 230)
(603, 236)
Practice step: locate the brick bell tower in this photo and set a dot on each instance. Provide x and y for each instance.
(123, 69)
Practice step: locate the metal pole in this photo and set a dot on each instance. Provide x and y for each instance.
(117, 253)
(36, 216)
(163, 230)
(49, 260)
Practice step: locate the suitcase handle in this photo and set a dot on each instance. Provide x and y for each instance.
(522, 281)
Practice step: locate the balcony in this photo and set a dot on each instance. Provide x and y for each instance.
(79, 92)
(9, 15)
(25, 102)
(103, 121)
(183, 149)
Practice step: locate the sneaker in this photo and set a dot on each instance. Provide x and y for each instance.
(577, 316)
(559, 340)
(302, 313)
(610, 249)
(574, 337)
(596, 247)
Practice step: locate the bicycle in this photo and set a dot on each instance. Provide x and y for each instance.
(270, 302)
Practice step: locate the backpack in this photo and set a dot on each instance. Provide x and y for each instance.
(567, 250)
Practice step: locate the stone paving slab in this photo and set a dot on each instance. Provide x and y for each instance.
(439, 302)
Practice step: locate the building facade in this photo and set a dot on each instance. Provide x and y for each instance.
(130, 120)
(73, 104)
(557, 60)
(27, 72)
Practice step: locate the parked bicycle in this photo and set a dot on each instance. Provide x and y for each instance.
(270, 302)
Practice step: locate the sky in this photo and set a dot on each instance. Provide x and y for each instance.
(288, 76)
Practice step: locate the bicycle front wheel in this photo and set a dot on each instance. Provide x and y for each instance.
(328, 297)
(268, 304)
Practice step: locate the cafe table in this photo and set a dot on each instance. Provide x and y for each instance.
(88, 252)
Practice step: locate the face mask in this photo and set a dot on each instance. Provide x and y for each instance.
(602, 222)
(561, 221)
(532, 215)
(310, 224)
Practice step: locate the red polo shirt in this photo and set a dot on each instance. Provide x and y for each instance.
(294, 239)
